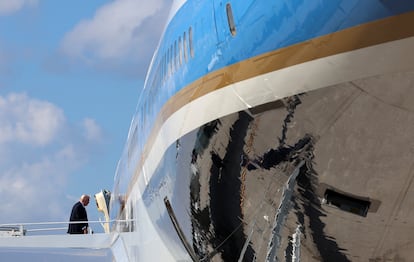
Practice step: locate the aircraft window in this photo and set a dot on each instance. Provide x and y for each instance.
(163, 68)
(185, 46)
(171, 60)
(175, 55)
(168, 62)
(180, 52)
(190, 40)
(230, 19)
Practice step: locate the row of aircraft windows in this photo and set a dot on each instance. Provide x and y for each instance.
(178, 53)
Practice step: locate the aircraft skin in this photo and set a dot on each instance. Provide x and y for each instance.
(273, 130)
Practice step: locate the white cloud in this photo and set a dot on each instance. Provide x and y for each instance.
(11, 6)
(39, 152)
(28, 121)
(29, 190)
(111, 32)
(93, 131)
(124, 31)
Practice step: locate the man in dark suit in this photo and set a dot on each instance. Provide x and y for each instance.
(79, 214)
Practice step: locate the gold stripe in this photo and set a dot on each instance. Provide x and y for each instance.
(365, 35)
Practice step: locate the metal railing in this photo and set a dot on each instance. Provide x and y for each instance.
(21, 229)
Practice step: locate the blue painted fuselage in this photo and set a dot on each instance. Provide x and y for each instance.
(172, 172)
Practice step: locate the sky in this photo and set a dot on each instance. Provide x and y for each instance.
(70, 76)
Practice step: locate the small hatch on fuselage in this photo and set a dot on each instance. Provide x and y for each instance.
(347, 203)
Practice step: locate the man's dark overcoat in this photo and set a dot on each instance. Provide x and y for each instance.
(78, 214)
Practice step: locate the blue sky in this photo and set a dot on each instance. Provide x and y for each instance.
(70, 76)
